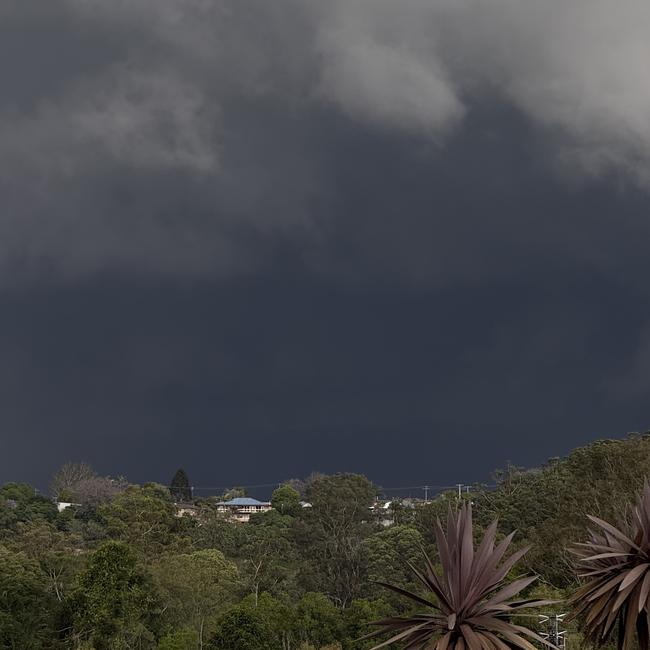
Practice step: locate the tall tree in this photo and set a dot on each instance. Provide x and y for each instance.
(180, 486)
(195, 587)
(145, 518)
(388, 552)
(114, 602)
(21, 502)
(333, 531)
(67, 477)
(255, 624)
(26, 607)
(286, 500)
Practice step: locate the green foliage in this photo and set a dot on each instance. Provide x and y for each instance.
(286, 500)
(27, 611)
(145, 518)
(318, 621)
(333, 530)
(20, 502)
(357, 617)
(292, 578)
(53, 550)
(216, 531)
(181, 639)
(344, 498)
(194, 588)
(245, 628)
(548, 506)
(387, 552)
(266, 556)
(114, 602)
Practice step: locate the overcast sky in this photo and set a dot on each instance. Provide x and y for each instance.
(255, 239)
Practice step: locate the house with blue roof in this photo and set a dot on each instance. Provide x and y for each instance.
(241, 508)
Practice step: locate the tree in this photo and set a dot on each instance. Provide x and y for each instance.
(267, 555)
(145, 518)
(388, 552)
(234, 493)
(332, 534)
(262, 624)
(180, 486)
(318, 621)
(53, 550)
(67, 477)
(26, 608)
(114, 602)
(286, 500)
(183, 639)
(96, 490)
(468, 605)
(245, 628)
(194, 588)
(216, 531)
(547, 504)
(357, 617)
(21, 502)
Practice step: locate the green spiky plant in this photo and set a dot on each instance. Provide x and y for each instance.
(468, 606)
(616, 562)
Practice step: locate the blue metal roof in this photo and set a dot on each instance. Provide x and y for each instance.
(244, 501)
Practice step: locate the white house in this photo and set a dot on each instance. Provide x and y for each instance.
(242, 508)
(62, 505)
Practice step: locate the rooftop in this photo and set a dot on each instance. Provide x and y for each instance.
(245, 501)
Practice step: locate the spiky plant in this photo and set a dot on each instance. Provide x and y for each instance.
(616, 562)
(469, 605)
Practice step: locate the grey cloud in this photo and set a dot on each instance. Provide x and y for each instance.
(320, 225)
(137, 118)
(197, 137)
(577, 68)
(379, 64)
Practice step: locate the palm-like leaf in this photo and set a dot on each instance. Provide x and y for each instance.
(616, 562)
(469, 605)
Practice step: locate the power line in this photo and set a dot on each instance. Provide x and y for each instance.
(237, 485)
(427, 487)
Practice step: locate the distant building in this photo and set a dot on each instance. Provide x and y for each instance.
(383, 512)
(188, 509)
(242, 508)
(62, 505)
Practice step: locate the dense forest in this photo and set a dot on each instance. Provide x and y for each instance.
(121, 569)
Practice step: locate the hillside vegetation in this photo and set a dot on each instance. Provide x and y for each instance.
(121, 570)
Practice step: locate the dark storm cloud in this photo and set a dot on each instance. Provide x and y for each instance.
(327, 228)
(151, 134)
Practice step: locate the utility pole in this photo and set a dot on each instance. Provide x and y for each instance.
(460, 487)
(551, 629)
(426, 493)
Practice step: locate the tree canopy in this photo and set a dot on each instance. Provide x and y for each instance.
(121, 569)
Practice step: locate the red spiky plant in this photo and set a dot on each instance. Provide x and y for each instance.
(468, 606)
(616, 561)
